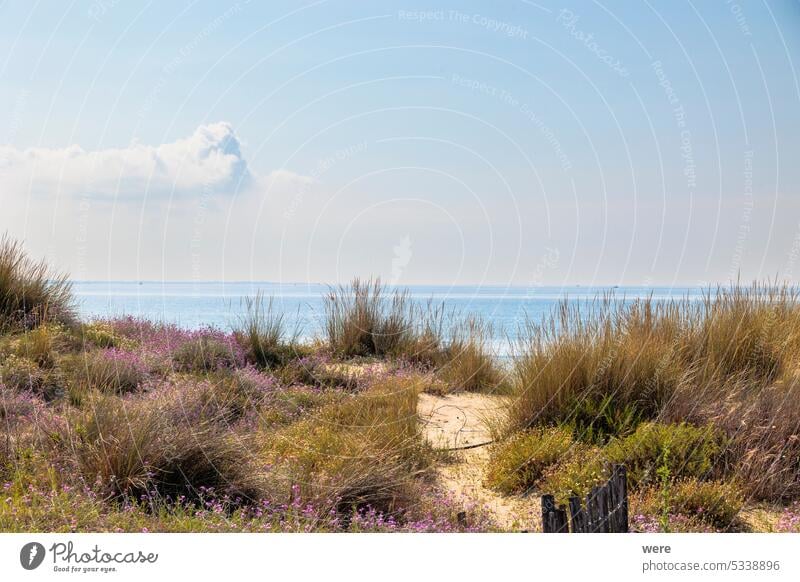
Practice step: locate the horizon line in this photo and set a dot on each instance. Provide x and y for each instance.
(655, 285)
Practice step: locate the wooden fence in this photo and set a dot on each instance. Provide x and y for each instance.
(606, 509)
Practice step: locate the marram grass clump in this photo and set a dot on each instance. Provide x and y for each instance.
(31, 293)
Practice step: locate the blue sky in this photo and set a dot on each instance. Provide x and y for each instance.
(432, 142)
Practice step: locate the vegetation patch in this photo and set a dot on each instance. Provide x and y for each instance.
(716, 503)
(517, 464)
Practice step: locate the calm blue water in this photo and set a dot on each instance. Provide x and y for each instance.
(193, 304)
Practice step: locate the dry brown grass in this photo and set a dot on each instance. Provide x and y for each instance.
(30, 291)
(134, 448)
(728, 361)
(363, 451)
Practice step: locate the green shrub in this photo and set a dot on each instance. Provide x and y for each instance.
(596, 420)
(581, 468)
(43, 344)
(102, 335)
(518, 463)
(692, 451)
(21, 374)
(716, 503)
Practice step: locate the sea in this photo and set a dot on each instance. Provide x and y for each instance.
(195, 305)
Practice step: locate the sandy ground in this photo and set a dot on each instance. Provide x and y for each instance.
(457, 420)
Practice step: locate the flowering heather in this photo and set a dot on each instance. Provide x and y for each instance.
(124, 358)
(227, 398)
(78, 508)
(641, 523)
(159, 342)
(18, 407)
(790, 520)
(258, 381)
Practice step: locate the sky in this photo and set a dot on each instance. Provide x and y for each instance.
(503, 143)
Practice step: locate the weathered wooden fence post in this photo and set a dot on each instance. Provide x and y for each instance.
(619, 499)
(579, 519)
(606, 508)
(554, 519)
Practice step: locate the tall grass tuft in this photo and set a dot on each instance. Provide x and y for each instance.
(361, 320)
(262, 332)
(467, 363)
(30, 291)
(603, 366)
(364, 319)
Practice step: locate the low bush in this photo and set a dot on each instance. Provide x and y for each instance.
(43, 344)
(517, 464)
(222, 397)
(102, 335)
(320, 373)
(17, 407)
(21, 374)
(575, 473)
(654, 451)
(682, 450)
(292, 403)
(716, 503)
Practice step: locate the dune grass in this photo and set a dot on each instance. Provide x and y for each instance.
(362, 451)
(263, 333)
(364, 319)
(367, 319)
(617, 373)
(31, 293)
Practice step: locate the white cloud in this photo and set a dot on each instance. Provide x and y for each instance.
(208, 161)
(146, 210)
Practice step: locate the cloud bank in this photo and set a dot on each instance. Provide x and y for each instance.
(209, 161)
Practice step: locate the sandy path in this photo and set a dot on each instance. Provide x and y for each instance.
(456, 421)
